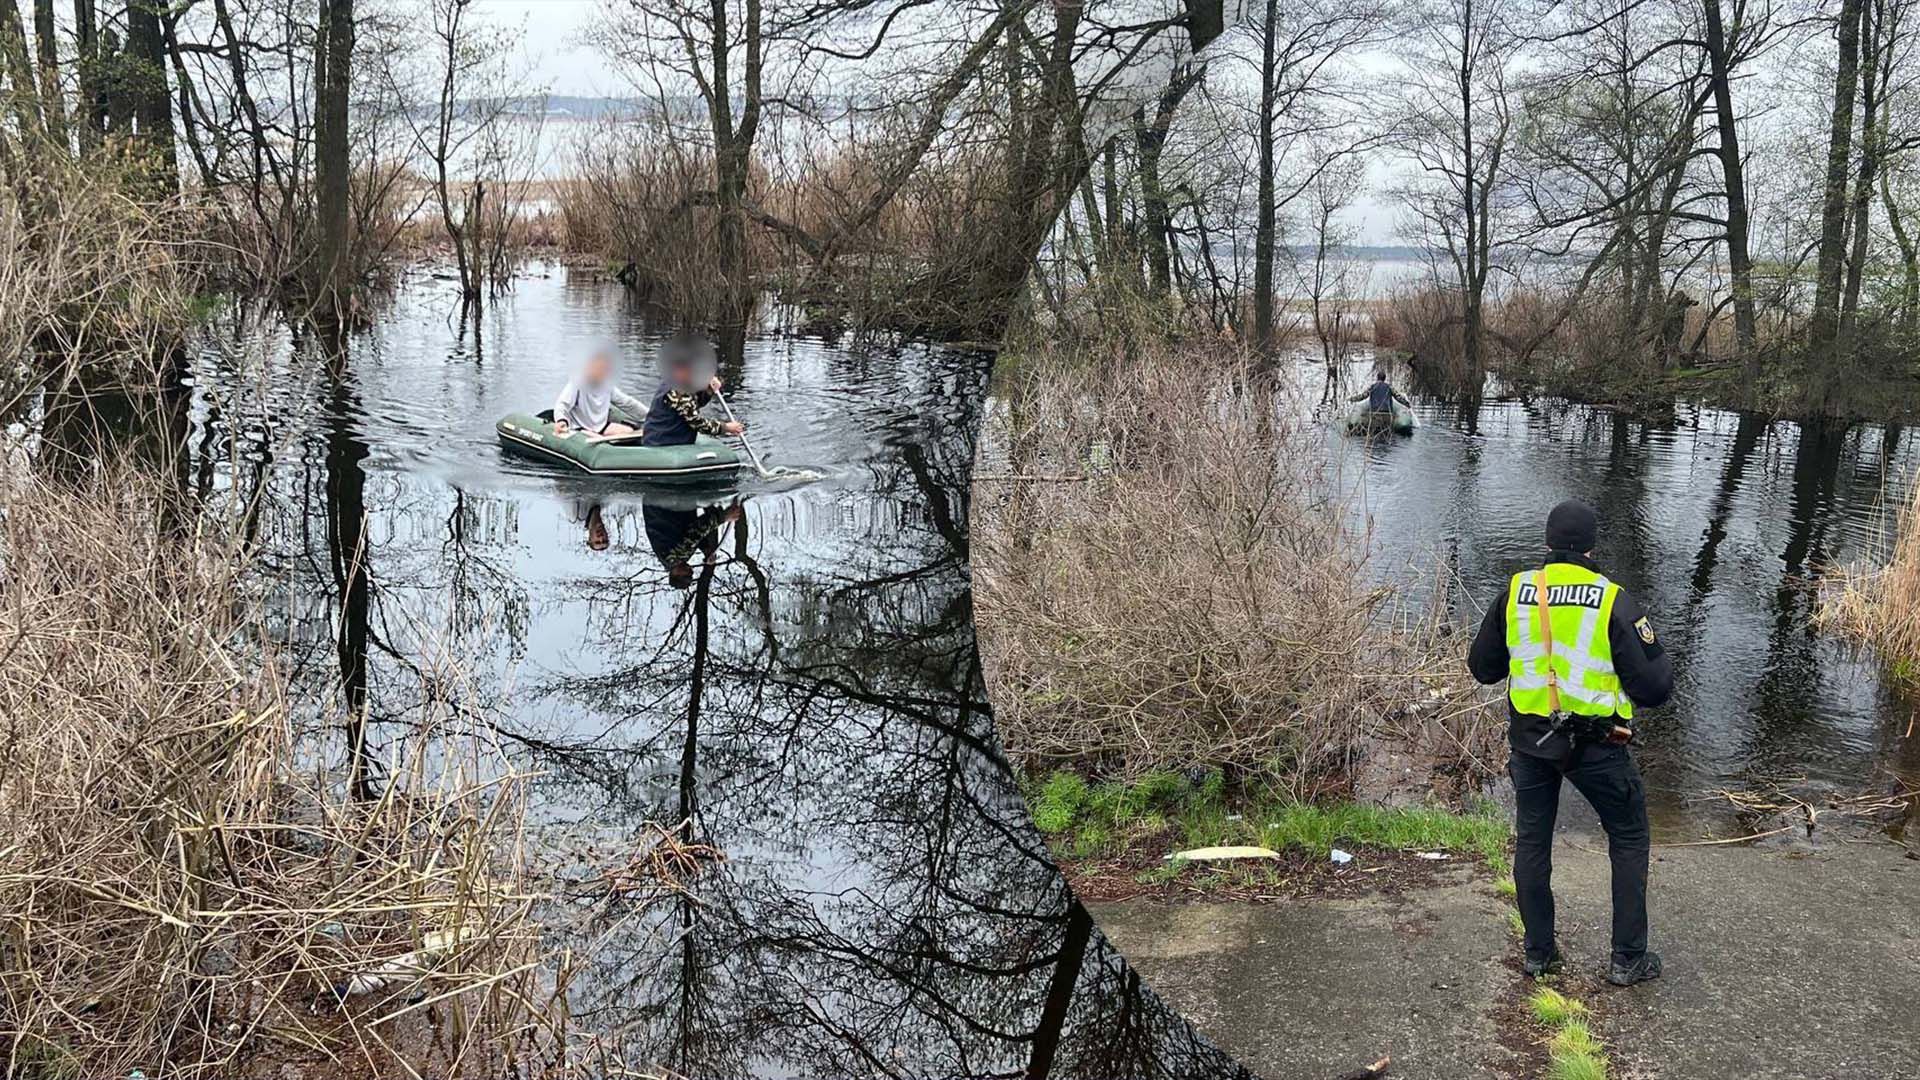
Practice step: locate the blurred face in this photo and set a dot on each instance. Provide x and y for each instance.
(598, 368)
(682, 375)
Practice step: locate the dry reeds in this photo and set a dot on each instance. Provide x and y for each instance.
(184, 888)
(89, 273)
(1197, 595)
(1880, 606)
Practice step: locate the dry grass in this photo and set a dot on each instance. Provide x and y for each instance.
(184, 889)
(90, 273)
(644, 205)
(1880, 606)
(1168, 578)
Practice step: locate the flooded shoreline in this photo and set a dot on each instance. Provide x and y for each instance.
(1721, 524)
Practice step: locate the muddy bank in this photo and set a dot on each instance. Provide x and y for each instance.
(1780, 964)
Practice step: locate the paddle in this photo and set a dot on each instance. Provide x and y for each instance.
(744, 441)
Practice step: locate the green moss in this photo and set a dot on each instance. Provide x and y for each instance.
(1113, 814)
(1504, 887)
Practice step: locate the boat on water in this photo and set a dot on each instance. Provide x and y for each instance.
(706, 460)
(1365, 421)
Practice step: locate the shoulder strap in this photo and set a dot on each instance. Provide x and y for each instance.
(1546, 637)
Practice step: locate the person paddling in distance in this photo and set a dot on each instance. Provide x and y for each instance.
(1578, 656)
(1381, 395)
(687, 385)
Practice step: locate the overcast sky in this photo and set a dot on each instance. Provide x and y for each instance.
(552, 30)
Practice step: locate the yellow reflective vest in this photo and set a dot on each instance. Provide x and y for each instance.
(1580, 603)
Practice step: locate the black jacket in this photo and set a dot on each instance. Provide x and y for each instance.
(1645, 669)
(674, 418)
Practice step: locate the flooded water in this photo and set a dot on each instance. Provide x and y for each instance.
(1720, 524)
(786, 673)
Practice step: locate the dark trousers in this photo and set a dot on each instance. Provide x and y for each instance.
(1606, 776)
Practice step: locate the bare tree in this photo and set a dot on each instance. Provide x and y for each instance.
(1459, 125)
(333, 87)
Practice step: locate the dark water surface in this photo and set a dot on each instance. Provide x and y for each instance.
(1720, 523)
(805, 695)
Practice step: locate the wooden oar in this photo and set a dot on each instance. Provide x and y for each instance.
(751, 453)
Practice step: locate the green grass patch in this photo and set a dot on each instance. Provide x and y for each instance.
(1504, 887)
(1555, 1009)
(1576, 1066)
(1089, 820)
(1515, 924)
(1575, 1037)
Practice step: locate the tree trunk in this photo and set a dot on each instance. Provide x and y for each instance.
(1473, 203)
(733, 152)
(1046, 163)
(1733, 179)
(332, 160)
(1872, 138)
(53, 108)
(144, 74)
(16, 74)
(90, 107)
(1151, 138)
(1117, 249)
(1909, 260)
(1266, 212)
(1836, 198)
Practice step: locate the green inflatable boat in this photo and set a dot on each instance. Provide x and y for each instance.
(1364, 421)
(706, 460)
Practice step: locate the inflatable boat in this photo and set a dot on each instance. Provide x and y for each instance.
(705, 460)
(1364, 421)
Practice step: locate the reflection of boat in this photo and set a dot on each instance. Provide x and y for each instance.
(1364, 421)
(706, 460)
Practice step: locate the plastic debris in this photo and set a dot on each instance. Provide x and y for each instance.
(1204, 854)
(434, 948)
(1435, 856)
(1341, 857)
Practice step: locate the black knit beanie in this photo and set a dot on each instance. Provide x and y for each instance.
(1572, 526)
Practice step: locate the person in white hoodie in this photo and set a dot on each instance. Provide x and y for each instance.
(586, 403)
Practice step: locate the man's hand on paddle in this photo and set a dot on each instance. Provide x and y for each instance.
(733, 427)
(714, 384)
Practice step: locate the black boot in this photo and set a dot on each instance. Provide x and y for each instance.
(1646, 967)
(1537, 965)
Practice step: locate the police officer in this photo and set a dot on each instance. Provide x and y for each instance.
(1582, 649)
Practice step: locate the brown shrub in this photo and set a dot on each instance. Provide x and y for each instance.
(1880, 606)
(90, 274)
(184, 892)
(1168, 577)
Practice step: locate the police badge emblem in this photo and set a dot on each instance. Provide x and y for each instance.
(1646, 630)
